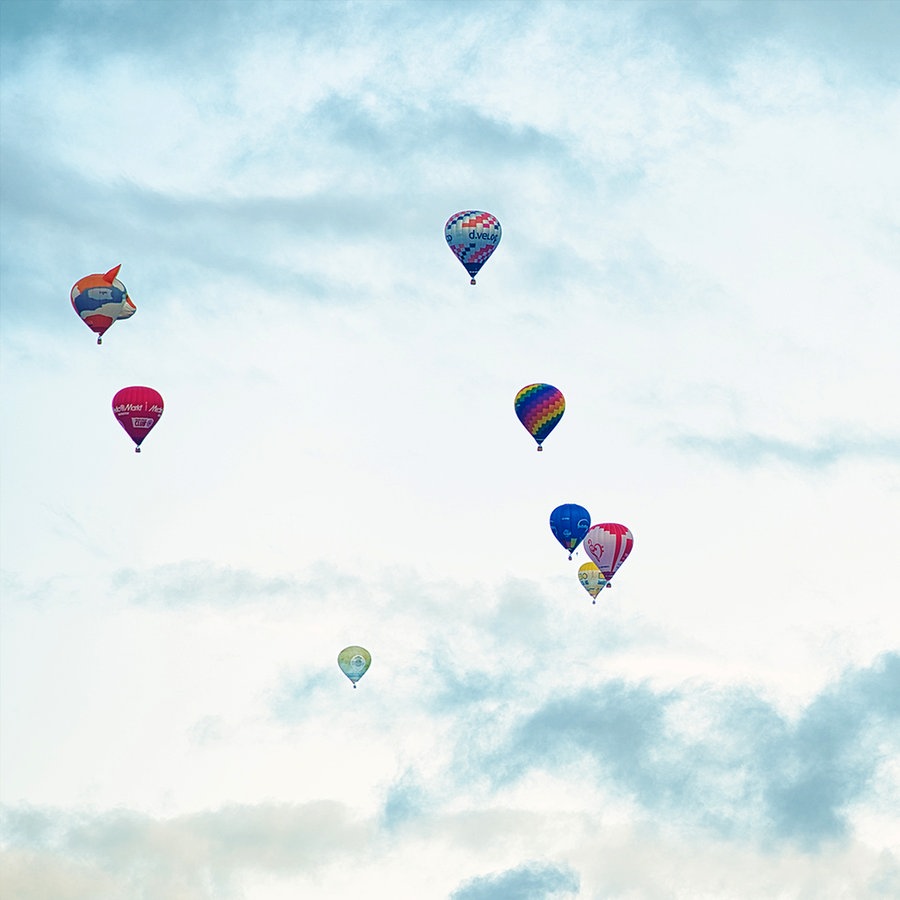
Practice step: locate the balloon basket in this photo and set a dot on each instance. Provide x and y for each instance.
(137, 449)
(99, 340)
(472, 281)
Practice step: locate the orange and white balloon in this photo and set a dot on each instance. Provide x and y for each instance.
(101, 300)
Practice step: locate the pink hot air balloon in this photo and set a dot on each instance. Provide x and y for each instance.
(608, 545)
(138, 409)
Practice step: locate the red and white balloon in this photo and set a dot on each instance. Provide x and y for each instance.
(608, 545)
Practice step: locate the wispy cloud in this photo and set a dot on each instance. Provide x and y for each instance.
(756, 449)
(194, 582)
(531, 881)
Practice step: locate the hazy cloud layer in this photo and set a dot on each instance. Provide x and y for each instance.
(725, 766)
(699, 249)
(129, 854)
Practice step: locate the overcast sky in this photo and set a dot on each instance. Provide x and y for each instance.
(701, 250)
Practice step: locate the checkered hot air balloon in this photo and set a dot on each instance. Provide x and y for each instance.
(539, 408)
(473, 236)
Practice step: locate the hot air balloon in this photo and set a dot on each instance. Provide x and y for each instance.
(138, 409)
(354, 662)
(592, 579)
(608, 545)
(539, 408)
(569, 524)
(101, 300)
(473, 236)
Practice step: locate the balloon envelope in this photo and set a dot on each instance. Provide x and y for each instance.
(569, 524)
(592, 579)
(354, 662)
(608, 545)
(137, 409)
(539, 408)
(101, 300)
(473, 236)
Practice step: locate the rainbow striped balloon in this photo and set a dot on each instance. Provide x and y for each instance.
(539, 408)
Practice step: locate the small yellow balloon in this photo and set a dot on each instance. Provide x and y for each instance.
(592, 579)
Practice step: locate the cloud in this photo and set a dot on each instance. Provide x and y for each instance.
(813, 771)
(756, 786)
(405, 801)
(47, 876)
(531, 881)
(746, 771)
(192, 582)
(754, 449)
(849, 36)
(190, 856)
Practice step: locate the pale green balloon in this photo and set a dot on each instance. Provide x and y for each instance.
(354, 662)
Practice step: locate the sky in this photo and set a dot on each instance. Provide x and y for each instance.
(700, 250)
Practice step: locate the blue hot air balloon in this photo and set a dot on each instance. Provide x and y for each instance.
(569, 524)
